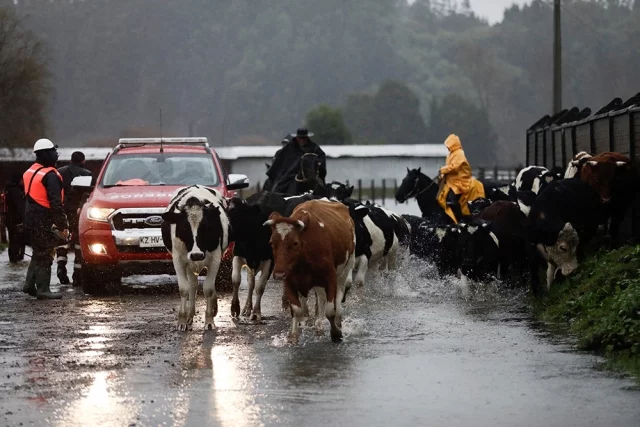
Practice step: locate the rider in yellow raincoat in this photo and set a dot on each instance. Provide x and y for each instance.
(457, 185)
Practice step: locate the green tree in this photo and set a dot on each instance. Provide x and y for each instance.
(456, 115)
(24, 83)
(328, 126)
(396, 114)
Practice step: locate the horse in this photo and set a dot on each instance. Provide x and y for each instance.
(425, 190)
(307, 179)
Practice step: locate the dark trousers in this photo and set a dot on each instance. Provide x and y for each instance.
(62, 252)
(43, 243)
(453, 201)
(16, 243)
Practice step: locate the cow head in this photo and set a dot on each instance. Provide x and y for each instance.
(574, 165)
(286, 242)
(601, 172)
(244, 217)
(563, 253)
(478, 205)
(339, 191)
(197, 224)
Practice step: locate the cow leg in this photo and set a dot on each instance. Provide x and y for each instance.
(321, 303)
(236, 278)
(193, 290)
(183, 286)
(362, 265)
(551, 272)
(296, 311)
(251, 279)
(286, 305)
(265, 270)
(209, 288)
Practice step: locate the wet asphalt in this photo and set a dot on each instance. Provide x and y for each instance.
(414, 353)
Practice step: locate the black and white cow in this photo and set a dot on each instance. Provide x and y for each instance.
(478, 205)
(565, 214)
(339, 191)
(196, 232)
(574, 166)
(530, 181)
(438, 245)
(377, 244)
(251, 247)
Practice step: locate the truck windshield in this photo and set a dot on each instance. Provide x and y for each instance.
(157, 169)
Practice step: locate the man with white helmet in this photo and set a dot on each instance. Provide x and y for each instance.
(45, 218)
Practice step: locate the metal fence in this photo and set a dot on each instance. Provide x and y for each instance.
(553, 141)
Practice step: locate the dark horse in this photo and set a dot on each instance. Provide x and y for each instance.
(307, 179)
(425, 190)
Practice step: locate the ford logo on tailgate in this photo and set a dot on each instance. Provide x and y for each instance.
(153, 221)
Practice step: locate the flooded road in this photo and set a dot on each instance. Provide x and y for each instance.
(414, 354)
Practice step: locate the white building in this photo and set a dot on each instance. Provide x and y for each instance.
(345, 162)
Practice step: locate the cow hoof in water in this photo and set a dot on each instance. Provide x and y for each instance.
(209, 327)
(336, 336)
(235, 308)
(293, 338)
(246, 311)
(256, 317)
(182, 327)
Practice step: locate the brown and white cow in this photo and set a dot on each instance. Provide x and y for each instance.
(314, 249)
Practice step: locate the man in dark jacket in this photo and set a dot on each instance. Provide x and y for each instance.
(72, 203)
(44, 219)
(14, 193)
(286, 162)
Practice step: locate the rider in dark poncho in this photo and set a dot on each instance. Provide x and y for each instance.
(286, 163)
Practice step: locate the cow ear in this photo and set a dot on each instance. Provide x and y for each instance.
(170, 217)
(303, 223)
(275, 216)
(419, 169)
(349, 191)
(408, 170)
(211, 209)
(360, 212)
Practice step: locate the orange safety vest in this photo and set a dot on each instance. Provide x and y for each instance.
(33, 186)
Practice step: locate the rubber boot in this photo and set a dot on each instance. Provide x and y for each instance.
(61, 272)
(30, 282)
(43, 281)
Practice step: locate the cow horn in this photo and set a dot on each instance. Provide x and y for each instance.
(575, 162)
(301, 225)
(593, 163)
(268, 223)
(621, 163)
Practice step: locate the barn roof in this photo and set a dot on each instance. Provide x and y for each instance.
(266, 152)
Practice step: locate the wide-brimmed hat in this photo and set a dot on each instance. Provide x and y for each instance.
(302, 133)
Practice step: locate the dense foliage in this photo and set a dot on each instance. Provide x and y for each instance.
(24, 83)
(239, 69)
(602, 305)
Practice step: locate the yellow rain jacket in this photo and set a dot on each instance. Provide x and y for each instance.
(457, 177)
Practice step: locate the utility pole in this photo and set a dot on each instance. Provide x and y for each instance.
(557, 57)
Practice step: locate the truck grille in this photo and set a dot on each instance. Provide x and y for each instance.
(139, 220)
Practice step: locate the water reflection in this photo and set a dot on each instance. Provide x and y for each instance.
(233, 390)
(99, 405)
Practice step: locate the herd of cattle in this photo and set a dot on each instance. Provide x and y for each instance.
(328, 243)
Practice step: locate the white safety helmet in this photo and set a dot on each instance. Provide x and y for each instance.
(43, 144)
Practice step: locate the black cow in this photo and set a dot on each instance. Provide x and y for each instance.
(252, 247)
(438, 245)
(565, 214)
(196, 232)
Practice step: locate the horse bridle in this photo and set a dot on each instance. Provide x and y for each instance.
(410, 195)
(304, 178)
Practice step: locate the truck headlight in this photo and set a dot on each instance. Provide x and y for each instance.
(99, 214)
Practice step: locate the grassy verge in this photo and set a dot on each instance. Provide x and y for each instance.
(601, 305)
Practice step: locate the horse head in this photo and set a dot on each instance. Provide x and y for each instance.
(413, 184)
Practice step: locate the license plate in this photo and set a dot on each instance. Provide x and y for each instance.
(151, 241)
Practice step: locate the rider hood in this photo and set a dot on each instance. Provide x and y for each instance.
(453, 143)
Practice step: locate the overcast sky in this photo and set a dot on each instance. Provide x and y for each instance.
(492, 10)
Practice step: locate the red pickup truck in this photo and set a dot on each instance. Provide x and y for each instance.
(119, 227)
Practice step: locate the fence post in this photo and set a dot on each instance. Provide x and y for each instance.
(359, 189)
(495, 172)
(395, 189)
(373, 191)
(384, 190)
